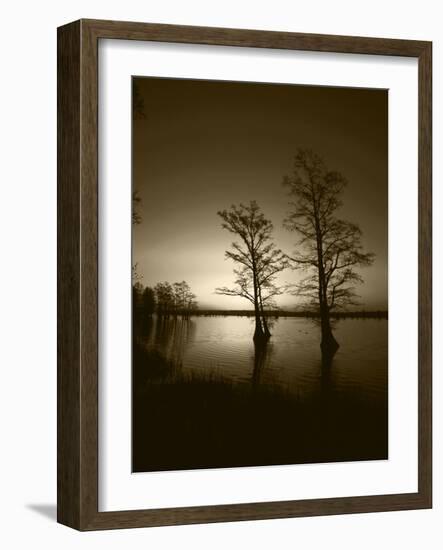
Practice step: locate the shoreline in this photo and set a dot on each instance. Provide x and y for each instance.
(283, 313)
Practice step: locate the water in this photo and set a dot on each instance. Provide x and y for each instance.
(205, 397)
(291, 360)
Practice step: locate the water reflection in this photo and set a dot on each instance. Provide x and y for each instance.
(171, 336)
(262, 355)
(291, 359)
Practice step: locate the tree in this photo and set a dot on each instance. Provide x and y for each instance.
(148, 301)
(137, 308)
(184, 299)
(330, 248)
(137, 293)
(175, 299)
(164, 295)
(258, 258)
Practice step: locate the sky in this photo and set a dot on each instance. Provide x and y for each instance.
(201, 146)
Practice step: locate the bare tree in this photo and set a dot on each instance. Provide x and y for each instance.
(258, 258)
(330, 248)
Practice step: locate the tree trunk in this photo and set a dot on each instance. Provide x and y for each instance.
(329, 344)
(266, 331)
(258, 333)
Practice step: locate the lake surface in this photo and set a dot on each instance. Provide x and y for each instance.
(291, 360)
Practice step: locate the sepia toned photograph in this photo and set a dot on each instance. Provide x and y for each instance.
(259, 274)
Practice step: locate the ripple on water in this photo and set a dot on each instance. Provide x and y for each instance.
(292, 358)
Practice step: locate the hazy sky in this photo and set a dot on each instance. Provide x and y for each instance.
(204, 145)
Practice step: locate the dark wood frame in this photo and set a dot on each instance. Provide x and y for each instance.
(77, 456)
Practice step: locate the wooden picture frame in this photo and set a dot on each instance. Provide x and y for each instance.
(78, 274)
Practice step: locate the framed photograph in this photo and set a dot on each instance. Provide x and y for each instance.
(244, 275)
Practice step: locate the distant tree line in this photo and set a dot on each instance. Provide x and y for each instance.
(164, 299)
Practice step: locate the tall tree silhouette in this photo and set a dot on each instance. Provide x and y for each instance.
(258, 258)
(329, 248)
